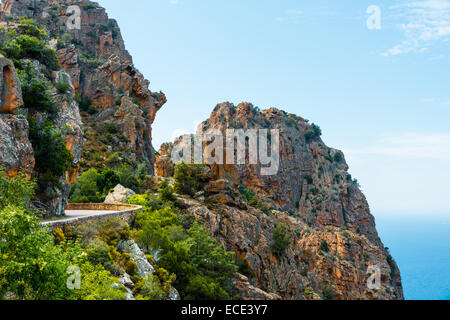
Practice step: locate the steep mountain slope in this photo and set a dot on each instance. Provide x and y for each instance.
(116, 104)
(334, 238)
(104, 116)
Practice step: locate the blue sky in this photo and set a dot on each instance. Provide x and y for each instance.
(382, 96)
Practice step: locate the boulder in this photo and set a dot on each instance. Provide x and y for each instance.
(249, 292)
(119, 195)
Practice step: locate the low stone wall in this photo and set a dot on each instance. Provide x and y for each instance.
(124, 212)
(102, 207)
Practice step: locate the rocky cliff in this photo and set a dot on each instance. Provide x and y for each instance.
(104, 116)
(116, 105)
(334, 238)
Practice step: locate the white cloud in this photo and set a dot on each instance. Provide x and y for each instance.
(409, 145)
(428, 22)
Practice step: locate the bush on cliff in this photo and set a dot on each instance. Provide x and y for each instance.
(313, 133)
(24, 46)
(29, 43)
(36, 97)
(189, 179)
(35, 92)
(281, 238)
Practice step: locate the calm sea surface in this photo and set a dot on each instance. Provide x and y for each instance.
(421, 247)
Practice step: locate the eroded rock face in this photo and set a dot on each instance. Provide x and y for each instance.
(101, 70)
(164, 166)
(119, 195)
(16, 151)
(314, 196)
(11, 92)
(248, 292)
(304, 270)
(312, 180)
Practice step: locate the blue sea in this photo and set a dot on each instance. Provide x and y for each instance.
(421, 247)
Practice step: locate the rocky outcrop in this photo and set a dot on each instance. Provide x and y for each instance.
(334, 237)
(11, 92)
(119, 195)
(108, 97)
(306, 269)
(144, 268)
(111, 89)
(313, 179)
(164, 166)
(16, 151)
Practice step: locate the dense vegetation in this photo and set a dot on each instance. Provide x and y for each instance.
(94, 185)
(30, 43)
(179, 244)
(50, 152)
(188, 179)
(33, 267)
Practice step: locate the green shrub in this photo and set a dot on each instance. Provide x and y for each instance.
(93, 186)
(149, 288)
(52, 157)
(324, 246)
(338, 156)
(189, 179)
(281, 238)
(185, 253)
(36, 96)
(248, 194)
(166, 193)
(98, 284)
(23, 46)
(202, 288)
(29, 28)
(16, 191)
(131, 267)
(98, 253)
(62, 87)
(328, 293)
(313, 133)
(112, 128)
